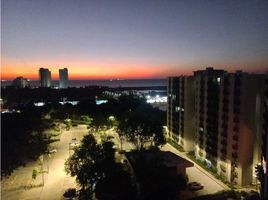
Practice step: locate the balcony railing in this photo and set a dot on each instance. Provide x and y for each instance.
(235, 137)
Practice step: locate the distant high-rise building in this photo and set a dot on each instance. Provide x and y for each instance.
(63, 74)
(228, 123)
(20, 82)
(44, 77)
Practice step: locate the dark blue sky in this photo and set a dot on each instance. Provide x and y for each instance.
(133, 38)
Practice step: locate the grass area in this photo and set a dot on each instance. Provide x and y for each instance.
(175, 145)
(212, 170)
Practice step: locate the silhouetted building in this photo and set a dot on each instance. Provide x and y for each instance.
(180, 111)
(20, 82)
(63, 75)
(44, 77)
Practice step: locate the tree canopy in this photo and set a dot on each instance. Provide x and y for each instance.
(96, 171)
(143, 124)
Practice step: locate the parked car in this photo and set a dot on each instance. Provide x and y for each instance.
(74, 142)
(195, 186)
(70, 193)
(51, 151)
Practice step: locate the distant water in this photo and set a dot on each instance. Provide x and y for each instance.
(109, 83)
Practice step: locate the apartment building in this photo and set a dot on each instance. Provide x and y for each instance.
(265, 141)
(180, 111)
(227, 108)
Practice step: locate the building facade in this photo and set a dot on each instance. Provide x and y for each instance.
(63, 75)
(265, 142)
(44, 77)
(180, 111)
(20, 82)
(228, 121)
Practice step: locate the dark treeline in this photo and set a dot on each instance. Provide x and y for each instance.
(14, 97)
(22, 132)
(21, 139)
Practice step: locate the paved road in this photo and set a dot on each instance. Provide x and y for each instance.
(56, 181)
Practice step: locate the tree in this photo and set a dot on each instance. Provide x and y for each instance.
(260, 176)
(96, 170)
(23, 139)
(84, 164)
(112, 121)
(142, 125)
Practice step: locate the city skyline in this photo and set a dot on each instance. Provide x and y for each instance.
(132, 39)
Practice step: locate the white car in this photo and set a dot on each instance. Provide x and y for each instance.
(52, 151)
(195, 186)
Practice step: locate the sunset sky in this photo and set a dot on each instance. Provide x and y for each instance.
(99, 39)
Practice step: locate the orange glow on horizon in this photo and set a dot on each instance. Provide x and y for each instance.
(83, 69)
(83, 73)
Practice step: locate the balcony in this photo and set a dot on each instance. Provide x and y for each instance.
(225, 100)
(226, 82)
(234, 155)
(236, 129)
(235, 146)
(224, 151)
(236, 120)
(236, 111)
(223, 157)
(224, 142)
(226, 91)
(235, 137)
(224, 117)
(225, 108)
(224, 134)
(237, 92)
(238, 82)
(224, 126)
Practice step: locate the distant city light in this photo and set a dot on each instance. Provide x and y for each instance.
(74, 103)
(99, 102)
(39, 104)
(156, 99)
